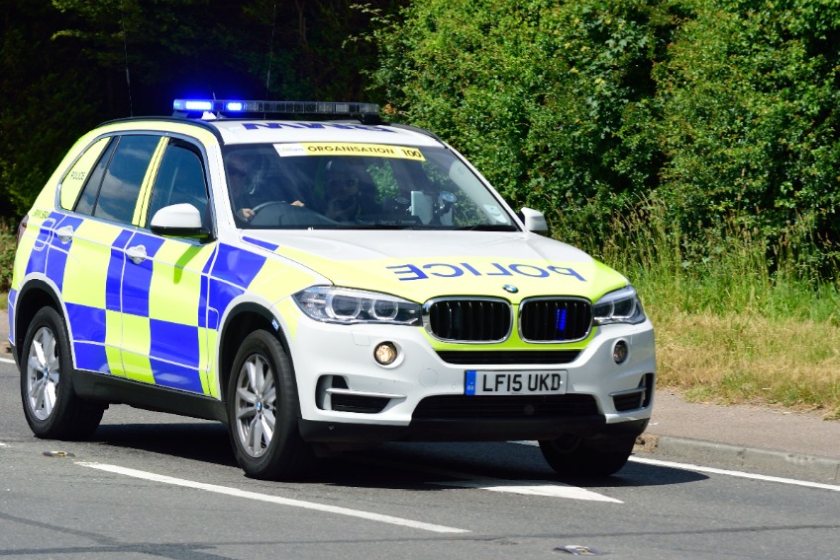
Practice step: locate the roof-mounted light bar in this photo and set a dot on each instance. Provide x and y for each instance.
(231, 107)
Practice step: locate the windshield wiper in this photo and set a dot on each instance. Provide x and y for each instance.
(489, 227)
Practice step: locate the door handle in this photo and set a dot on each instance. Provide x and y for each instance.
(65, 234)
(137, 254)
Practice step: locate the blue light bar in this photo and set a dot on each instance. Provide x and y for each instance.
(195, 105)
(338, 109)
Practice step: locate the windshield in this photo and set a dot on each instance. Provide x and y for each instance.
(357, 186)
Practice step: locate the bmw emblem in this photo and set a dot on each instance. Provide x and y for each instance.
(510, 288)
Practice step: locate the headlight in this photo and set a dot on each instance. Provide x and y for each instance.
(347, 306)
(620, 306)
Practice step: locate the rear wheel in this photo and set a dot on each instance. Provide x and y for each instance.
(263, 410)
(600, 456)
(52, 408)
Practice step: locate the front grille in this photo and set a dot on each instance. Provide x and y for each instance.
(554, 320)
(502, 407)
(509, 357)
(469, 320)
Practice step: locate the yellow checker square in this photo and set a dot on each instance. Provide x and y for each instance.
(276, 280)
(114, 357)
(138, 368)
(137, 343)
(207, 361)
(176, 282)
(113, 332)
(86, 272)
(136, 334)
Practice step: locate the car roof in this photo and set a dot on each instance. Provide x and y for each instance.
(250, 131)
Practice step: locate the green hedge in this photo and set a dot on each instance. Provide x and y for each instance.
(725, 111)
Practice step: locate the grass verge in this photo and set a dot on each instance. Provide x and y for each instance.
(738, 318)
(739, 358)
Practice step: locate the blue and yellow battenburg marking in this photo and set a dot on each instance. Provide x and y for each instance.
(153, 320)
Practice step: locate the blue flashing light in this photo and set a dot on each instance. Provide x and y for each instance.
(234, 106)
(560, 321)
(196, 105)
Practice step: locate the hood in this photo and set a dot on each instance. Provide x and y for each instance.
(421, 265)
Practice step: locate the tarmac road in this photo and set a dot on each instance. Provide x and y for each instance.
(152, 485)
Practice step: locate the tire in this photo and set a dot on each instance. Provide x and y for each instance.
(263, 411)
(600, 456)
(52, 408)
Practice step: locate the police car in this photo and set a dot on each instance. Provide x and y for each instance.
(316, 281)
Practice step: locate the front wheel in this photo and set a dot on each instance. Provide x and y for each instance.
(52, 408)
(263, 410)
(588, 456)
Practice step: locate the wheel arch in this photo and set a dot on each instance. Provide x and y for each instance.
(35, 295)
(242, 320)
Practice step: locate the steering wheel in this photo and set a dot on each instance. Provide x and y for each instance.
(280, 213)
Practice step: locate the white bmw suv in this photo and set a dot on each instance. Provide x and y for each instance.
(316, 280)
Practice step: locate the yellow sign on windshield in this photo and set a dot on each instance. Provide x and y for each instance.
(346, 149)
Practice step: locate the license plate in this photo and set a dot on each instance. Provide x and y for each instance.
(514, 382)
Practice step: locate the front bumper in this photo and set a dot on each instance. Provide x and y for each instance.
(345, 396)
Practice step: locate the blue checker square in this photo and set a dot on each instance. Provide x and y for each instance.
(64, 221)
(202, 302)
(176, 377)
(12, 301)
(38, 257)
(261, 243)
(113, 281)
(137, 278)
(174, 342)
(56, 263)
(221, 295)
(237, 266)
(86, 323)
(91, 357)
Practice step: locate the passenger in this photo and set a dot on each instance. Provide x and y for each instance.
(344, 192)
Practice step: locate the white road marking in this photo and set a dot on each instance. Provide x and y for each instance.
(7, 361)
(712, 470)
(272, 499)
(3, 444)
(739, 474)
(525, 487)
(532, 488)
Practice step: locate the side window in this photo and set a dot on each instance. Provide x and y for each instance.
(72, 183)
(87, 200)
(124, 177)
(180, 179)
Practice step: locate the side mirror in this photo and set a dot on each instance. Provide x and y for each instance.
(534, 220)
(179, 219)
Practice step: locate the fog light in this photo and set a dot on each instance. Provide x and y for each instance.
(620, 352)
(385, 353)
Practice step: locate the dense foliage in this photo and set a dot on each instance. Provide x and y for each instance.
(725, 111)
(68, 65)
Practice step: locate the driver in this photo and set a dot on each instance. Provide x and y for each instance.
(240, 172)
(245, 170)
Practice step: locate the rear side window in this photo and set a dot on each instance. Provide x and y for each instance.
(115, 184)
(72, 183)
